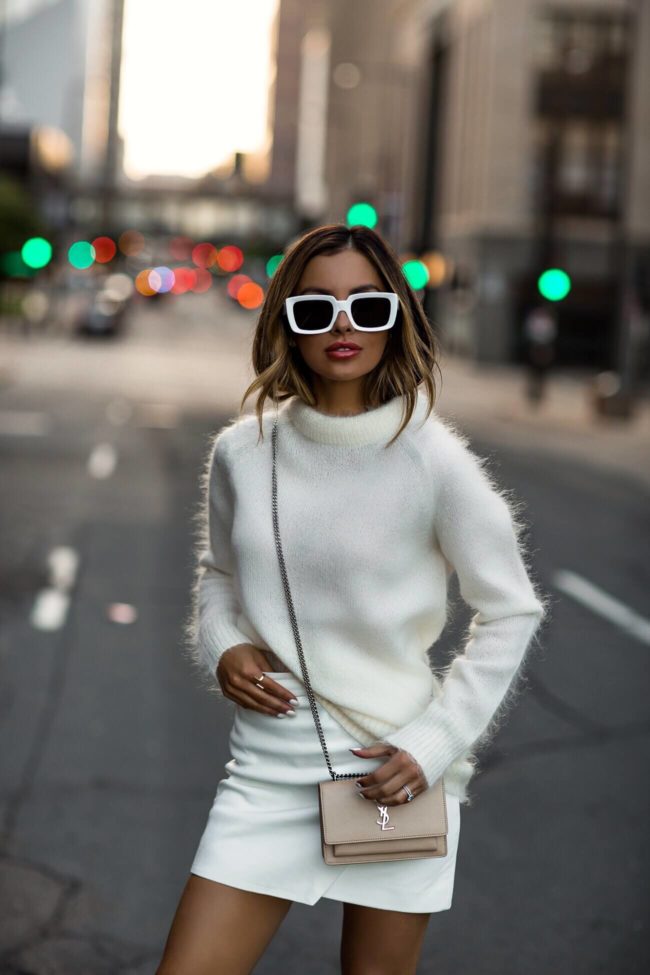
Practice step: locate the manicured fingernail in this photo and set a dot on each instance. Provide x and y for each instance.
(291, 714)
(280, 714)
(293, 700)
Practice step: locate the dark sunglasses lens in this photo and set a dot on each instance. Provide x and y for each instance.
(370, 311)
(312, 315)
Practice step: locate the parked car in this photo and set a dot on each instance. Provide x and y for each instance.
(106, 312)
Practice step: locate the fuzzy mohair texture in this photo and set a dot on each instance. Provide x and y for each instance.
(372, 591)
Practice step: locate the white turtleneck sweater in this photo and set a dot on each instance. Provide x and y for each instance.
(370, 536)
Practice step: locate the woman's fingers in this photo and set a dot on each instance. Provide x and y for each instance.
(272, 687)
(387, 796)
(245, 691)
(247, 701)
(391, 789)
(386, 784)
(400, 796)
(239, 669)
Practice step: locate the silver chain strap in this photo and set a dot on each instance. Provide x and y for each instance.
(294, 621)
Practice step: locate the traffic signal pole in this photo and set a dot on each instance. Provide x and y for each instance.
(627, 298)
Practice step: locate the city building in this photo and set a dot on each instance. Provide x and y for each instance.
(59, 60)
(503, 137)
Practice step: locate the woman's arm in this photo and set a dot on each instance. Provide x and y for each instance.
(217, 607)
(477, 531)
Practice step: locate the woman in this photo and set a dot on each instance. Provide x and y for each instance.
(379, 500)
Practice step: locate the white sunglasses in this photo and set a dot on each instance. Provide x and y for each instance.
(369, 311)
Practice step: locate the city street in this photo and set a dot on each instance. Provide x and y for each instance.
(112, 753)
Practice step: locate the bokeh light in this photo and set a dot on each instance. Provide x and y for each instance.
(15, 267)
(554, 284)
(416, 274)
(437, 267)
(81, 254)
(362, 214)
(142, 283)
(131, 242)
(180, 247)
(203, 281)
(230, 258)
(250, 295)
(120, 285)
(204, 255)
(273, 263)
(184, 280)
(235, 283)
(36, 252)
(161, 279)
(105, 249)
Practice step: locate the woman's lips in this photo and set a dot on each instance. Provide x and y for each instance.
(342, 353)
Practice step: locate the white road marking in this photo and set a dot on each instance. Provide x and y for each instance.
(51, 604)
(50, 609)
(600, 602)
(63, 562)
(102, 460)
(29, 423)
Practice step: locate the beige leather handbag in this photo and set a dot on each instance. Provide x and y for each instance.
(354, 829)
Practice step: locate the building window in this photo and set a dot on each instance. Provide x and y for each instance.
(575, 43)
(577, 168)
(581, 61)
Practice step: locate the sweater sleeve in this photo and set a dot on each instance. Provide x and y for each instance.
(477, 532)
(217, 604)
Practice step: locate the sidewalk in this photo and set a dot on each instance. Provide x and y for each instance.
(490, 401)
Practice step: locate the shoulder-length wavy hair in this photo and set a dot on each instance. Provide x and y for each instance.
(412, 350)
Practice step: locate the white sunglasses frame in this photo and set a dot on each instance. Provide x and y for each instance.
(337, 306)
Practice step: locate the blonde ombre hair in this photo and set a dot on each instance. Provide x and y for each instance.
(412, 350)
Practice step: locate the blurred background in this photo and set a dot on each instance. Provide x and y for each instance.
(503, 148)
(156, 159)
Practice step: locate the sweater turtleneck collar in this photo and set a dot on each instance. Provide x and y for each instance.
(372, 426)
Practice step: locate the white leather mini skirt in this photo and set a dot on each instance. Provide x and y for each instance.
(263, 829)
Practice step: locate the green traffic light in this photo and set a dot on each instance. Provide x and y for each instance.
(272, 264)
(416, 273)
(81, 254)
(554, 284)
(14, 266)
(36, 252)
(362, 214)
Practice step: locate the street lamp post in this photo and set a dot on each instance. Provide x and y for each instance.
(627, 303)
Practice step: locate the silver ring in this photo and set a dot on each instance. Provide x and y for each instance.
(408, 793)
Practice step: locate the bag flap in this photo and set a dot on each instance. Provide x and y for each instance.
(348, 818)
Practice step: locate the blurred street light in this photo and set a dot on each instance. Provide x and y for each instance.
(36, 252)
(362, 214)
(554, 284)
(416, 273)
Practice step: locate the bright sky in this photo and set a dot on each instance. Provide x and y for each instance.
(195, 77)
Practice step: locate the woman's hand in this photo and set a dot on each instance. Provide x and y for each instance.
(238, 670)
(384, 785)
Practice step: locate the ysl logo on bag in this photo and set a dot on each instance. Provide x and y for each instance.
(383, 812)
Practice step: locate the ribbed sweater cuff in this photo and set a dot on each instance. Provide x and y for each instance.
(452, 722)
(215, 637)
(431, 739)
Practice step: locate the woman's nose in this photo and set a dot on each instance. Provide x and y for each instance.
(342, 320)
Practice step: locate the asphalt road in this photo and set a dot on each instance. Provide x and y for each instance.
(111, 753)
